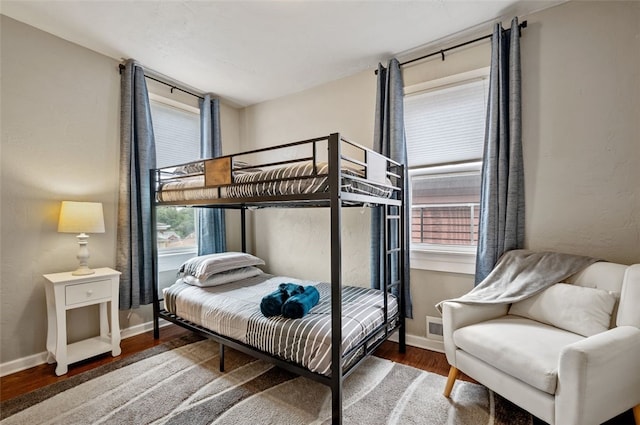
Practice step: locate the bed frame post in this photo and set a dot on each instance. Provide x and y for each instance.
(385, 261)
(243, 227)
(402, 261)
(154, 255)
(336, 279)
(221, 356)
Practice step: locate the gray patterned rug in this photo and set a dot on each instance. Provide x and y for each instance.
(180, 384)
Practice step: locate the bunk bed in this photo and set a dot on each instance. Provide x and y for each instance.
(331, 172)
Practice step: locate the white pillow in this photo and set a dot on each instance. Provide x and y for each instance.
(577, 309)
(245, 168)
(207, 265)
(192, 168)
(224, 277)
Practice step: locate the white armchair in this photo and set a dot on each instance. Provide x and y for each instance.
(543, 354)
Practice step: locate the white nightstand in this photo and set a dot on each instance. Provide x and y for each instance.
(65, 292)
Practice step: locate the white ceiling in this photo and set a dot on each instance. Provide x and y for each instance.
(252, 51)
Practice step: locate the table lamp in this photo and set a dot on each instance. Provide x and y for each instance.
(83, 218)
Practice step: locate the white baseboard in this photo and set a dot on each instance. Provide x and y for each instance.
(23, 363)
(421, 342)
(142, 328)
(33, 360)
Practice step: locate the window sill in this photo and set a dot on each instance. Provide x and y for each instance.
(172, 259)
(443, 260)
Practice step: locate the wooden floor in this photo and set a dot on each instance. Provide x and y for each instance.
(31, 379)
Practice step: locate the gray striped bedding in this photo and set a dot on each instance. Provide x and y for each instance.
(300, 179)
(233, 310)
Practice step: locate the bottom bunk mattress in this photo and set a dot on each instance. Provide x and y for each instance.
(233, 310)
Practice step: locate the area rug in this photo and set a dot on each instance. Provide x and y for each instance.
(181, 384)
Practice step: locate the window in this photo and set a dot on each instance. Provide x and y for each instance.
(445, 206)
(445, 122)
(176, 129)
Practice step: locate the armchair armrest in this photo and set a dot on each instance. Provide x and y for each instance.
(599, 377)
(456, 315)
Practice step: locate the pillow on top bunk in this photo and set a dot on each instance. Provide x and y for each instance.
(239, 167)
(242, 167)
(224, 277)
(192, 168)
(207, 265)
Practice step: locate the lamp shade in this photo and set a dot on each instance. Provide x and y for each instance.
(81, 217)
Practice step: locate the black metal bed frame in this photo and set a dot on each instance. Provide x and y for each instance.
(334, 199)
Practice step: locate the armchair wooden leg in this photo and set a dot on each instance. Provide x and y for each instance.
(453, 374)
(636, 414)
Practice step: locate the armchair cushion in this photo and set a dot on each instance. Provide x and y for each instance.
(523, 348)
(585, 311)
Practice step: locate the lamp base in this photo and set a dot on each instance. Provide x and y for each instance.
(83, 256)
(82, 271)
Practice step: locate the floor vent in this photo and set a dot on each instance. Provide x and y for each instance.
(434, 328)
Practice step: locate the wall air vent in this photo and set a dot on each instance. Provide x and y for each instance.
(434, 328)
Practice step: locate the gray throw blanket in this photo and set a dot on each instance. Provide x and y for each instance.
(520, 274)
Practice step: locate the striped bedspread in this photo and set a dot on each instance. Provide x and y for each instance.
(293, 180)
(233, 310)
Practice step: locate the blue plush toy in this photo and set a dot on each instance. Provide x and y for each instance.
(271, 305)
(298, 305)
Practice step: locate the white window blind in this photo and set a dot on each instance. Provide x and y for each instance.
(177, 134)
(446, 125)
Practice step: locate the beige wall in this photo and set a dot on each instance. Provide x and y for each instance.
(59, 116)
(295, 242)
(581, 129)
(60, 141)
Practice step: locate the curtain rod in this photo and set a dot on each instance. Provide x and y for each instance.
(442, 51)
(173, 87)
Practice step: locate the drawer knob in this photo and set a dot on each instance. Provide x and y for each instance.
(89, 292)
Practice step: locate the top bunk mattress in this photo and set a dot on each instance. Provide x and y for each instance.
(295, 179)
(233, 310)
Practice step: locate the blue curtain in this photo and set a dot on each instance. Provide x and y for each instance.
(134, 253)
(389, 140)
(211, 225)
(502, 189)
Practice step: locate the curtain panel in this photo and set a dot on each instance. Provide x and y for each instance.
(389, 140)
(211, 223)
(134, 252)
(501, 225)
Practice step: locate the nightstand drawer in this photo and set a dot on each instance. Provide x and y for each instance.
(83, 292)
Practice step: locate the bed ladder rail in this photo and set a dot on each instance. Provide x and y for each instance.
(393, 264)
(392, 247)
